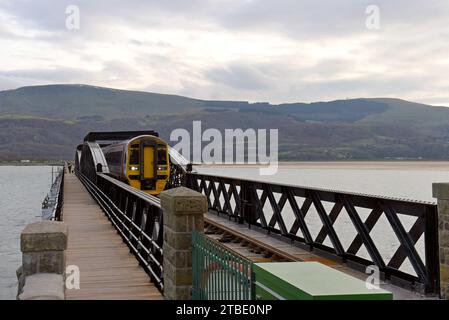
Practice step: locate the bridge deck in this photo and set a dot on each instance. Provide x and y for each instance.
(107, 269)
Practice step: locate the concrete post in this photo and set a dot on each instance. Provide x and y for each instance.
(43, 246)
(183, 212)
(441, 192)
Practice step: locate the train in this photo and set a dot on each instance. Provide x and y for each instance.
(143, 162)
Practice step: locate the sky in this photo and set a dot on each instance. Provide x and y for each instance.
(256, 50)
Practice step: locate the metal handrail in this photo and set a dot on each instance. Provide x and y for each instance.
(360, 194)
(154, 201)
(52, 204)
(219, 273)
(251, 198)
(60, 198)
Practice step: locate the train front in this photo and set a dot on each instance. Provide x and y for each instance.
(142, 162)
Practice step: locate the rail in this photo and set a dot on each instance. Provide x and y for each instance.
(52, 204)
(137, 217)
(60, 198)
(285, 212)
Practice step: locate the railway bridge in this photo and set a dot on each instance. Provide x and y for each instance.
(216, 237)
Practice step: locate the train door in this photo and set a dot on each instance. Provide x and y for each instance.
(148, 163)
(148, 173)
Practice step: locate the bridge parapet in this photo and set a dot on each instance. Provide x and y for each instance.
(184, 210)
(441, 192)
(43, 246)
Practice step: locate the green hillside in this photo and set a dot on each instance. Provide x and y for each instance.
(47, 122)
(77, 101)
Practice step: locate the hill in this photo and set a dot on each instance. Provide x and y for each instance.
(47, 122)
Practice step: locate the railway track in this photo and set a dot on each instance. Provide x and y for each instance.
(251, 248)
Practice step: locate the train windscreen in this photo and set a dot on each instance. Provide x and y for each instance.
(162, 156)
(134, 157)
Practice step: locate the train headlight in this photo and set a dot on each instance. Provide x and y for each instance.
(160, 168)
(134, 168)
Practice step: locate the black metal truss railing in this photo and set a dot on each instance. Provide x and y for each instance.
(137, 217)
(60, 201)
(245, 201)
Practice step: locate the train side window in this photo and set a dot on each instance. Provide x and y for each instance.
(118, 157)
(113, 158)
(134, 156)
(162, 156)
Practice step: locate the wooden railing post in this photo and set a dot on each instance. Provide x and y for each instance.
(183, 211)
(441, 192)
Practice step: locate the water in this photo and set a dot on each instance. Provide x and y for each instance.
(22, 190)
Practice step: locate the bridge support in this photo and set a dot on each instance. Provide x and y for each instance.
(441, 192)
(184, 211)
(43, 246)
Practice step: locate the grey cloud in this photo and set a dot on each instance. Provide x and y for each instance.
(47, 75)
(239, 77)
(293, 17)
(411, 47)
(7, 83)
(295, 84)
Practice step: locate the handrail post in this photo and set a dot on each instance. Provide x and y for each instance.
(431, 250)
(183, 211)
(441, 192)
(248, 208)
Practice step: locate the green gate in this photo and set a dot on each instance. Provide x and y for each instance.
(219, 273)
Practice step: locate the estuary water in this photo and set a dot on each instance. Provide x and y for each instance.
(22, 190)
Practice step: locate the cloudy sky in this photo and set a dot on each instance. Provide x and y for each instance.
(256, 50)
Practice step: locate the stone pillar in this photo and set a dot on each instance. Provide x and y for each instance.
(441, 192)
(43, 246)
(183, 212)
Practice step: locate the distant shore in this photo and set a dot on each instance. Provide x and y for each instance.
(361, 165)
(31, 163)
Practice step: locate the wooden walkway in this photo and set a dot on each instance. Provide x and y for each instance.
(107, 269)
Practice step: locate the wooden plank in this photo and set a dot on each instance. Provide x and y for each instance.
(107, 268)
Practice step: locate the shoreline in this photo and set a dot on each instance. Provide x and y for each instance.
(29, 164)
(438, 165)
(362, 165)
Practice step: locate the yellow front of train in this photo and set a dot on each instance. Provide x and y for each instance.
(147, 164)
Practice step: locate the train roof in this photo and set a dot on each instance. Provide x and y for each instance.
(117, 135)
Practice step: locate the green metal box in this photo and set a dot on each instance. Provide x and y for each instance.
(310, 281)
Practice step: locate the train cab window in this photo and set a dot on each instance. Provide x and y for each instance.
(134, 157)
(162, 156)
